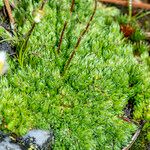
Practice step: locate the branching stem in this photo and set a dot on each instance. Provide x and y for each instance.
(79, 39)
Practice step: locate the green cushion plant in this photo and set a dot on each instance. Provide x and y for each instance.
(82, 106)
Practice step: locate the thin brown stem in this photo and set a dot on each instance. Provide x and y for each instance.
(29, 34)
(24, 46)
(61, 37)
(64, 27)
(72, 6)
(43, 4)
(79, 39)
(33, 25)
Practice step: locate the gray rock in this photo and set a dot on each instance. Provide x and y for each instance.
(7, 145)
(6, 47)
(40, 138)
(34, 139)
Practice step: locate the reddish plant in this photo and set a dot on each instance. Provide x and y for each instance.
(127, 30)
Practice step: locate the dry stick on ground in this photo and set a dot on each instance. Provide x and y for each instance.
(135, 136)
(9, 12)
(125, 3)
(79, 40)
(64, 28)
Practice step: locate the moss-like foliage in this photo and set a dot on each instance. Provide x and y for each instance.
(82, 106)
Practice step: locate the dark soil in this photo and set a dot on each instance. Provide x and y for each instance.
(129, 109)
(4, 22)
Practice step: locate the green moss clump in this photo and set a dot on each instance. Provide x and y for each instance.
(83, 106)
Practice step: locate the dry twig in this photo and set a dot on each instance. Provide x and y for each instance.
(125, 3)
(135, 136)
(9, 12)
